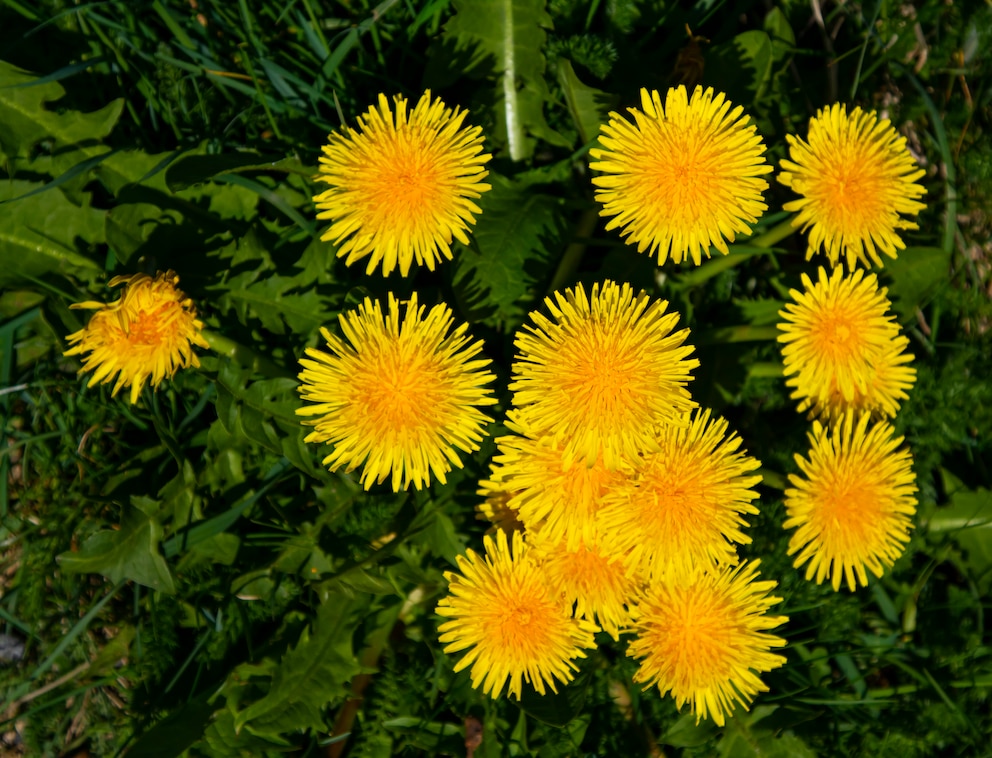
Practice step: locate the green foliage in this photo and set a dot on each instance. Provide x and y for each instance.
(186, 576)
(131, 552)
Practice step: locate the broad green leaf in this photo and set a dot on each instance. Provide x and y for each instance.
(916, 275)
(176, 732)
(26, 119)
(195, 168)
(555, 708)
(968, 521)
(742, 67)
(281, 303)
(744, 737)
(273, 301)
(42, 234)
(589, 106)
(263, 412)
(132, 552)
(687, 733)
(507, 37)
(761, 311)
(780, 33)
(133, 167)
(497, 277)
(312, 676)
(220, 548)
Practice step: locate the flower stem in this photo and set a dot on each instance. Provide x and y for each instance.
(242, 355)
(573, 253)
(774, 235)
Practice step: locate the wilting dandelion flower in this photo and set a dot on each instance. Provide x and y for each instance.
(146, 335)
(840, 337)
(401, 397)
(588, 576)
(854, 504)
(682, 176)
(602, 374)
(401, 186)
(511, 621)
(706, 639)
(683, 506)
(855, 177)
(557, 497)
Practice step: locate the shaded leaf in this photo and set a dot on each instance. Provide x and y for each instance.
(496, 277)
(25, 118)
(311, 676)
(968, 521)
(916, 275)
(132, 552)
(195, 168)
(555, 708)
(41, 234)
(589, 106)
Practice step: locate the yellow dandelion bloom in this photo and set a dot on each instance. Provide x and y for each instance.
(706, 640)
(602, 374)
(550, 494)
(683, 506)
(401, 397)
(838, 335)
(498, 510)
(855, 177)
(683, 176)
(401, 186)
(589, 577)
(888, 379)
(146, 334)
(854, 504)
(514, 625)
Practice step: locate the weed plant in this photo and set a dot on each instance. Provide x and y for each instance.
(181, 576)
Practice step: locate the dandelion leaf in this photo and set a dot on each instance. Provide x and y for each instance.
(497, 277)
(589, 106)
(556, 709)
(26, 117)
(310, 677)
(916, 275)
(131, 552)
(968, 521)
(503, 39)
(44, 233)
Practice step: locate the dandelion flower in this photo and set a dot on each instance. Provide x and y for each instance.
(497, 509)
(557, 497)
(514, 625)
(401, 397)
(590, 577)
(854, 504)
(602, 374)
(706, 640)
(401, 186)
(683, 506)
(839, 334)
(146, 335)
(855, 177)
(888, 380)
(682, 176)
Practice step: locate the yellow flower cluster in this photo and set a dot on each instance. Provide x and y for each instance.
(625, 503)
(618, 504)
(844, 356)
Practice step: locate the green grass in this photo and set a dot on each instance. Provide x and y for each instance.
(184, 135)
